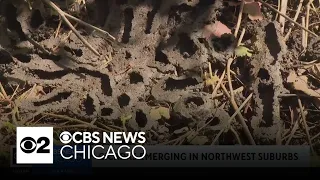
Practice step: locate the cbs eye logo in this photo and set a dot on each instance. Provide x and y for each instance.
(65, 137)
(29, 145)
(34, 145)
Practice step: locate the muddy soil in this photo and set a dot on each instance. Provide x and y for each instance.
(158, 61)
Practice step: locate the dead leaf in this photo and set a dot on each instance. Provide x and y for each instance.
(301, 71)
(242, 51)
(215, 30)
(126, 118)
(253, 9)
(315, 71)
(300, 83)
(211, 81)
(158, 113)
(36, 93)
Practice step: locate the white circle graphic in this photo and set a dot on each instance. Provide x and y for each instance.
(65, 137)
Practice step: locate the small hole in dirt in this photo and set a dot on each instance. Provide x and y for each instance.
(223, 43)
(227, 139)
(135, 78)
(105, 80)
(128, 55)
(196, 100)
(141, 118)
(59, 97)
(106, 111)
(247, 36)
(266, 95)
(77, 52)
(151, 15)
(177, 121)
(49, 75)
(179, 70)
(172, 84)
(53, 21)
(213, 121)
(128, 17)
(13, 24)
(161, 57)
(47, 89)
(272, 41)
(123, 100)
(105, 85)
(25, 58)
(5, 57)
(36, 19)
(98, 11)
(186, 46)
(88, 104)
(176, 12)
(263, 74)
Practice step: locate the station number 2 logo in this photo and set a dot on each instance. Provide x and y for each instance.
(34, 145)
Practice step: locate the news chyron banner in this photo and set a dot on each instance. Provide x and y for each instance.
(36, 147)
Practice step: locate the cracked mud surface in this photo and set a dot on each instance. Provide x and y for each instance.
(158, 62)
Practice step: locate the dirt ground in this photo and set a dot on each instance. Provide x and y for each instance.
(154, 77)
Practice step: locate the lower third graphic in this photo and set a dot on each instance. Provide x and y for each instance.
(34, 145)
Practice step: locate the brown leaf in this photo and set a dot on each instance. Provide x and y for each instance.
(300, 83)
(217, 29)
(253, 9)
(36, 92)
(315, 71)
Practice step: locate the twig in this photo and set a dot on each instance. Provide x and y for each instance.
(278, 6)
(283, 10)
(231, 118)
(37, 121)
(238, 90)
(236, 135)
(288, 18)
(294, 19)
(178, 139)
(229, 77)
(293, 131)
(241, 36)
(214, 93)
(239, 19)
(225, 91)
(58, 28)
(307, 20)
(62, 14)
(37, 45)
(295, 95)
(303, 33)
(109, 126)
(78, 121)
(3, 92)
(235, 106)
(14, 93)
(89, 25)
(305, 125)
(314, 137)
